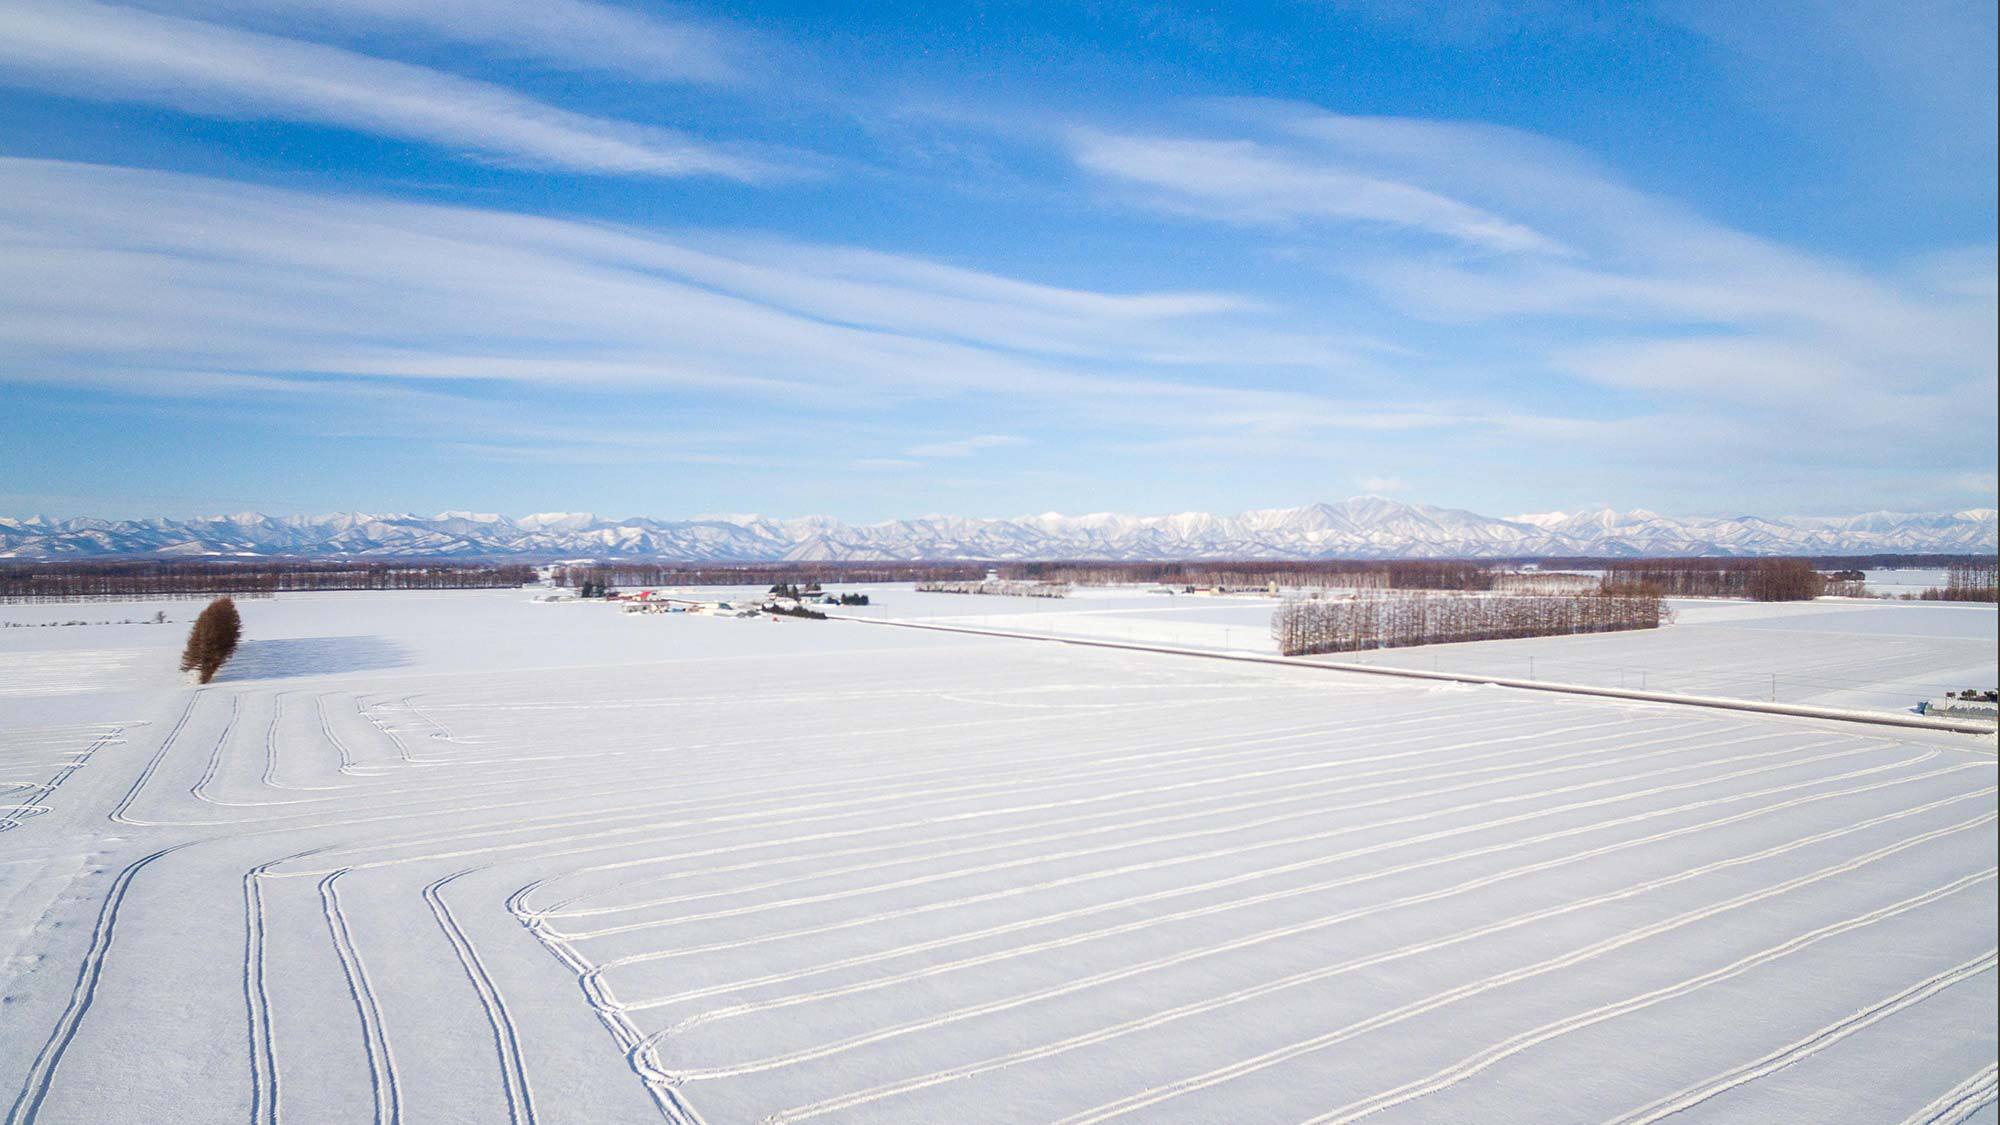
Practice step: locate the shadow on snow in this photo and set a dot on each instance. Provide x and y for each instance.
(311, 656)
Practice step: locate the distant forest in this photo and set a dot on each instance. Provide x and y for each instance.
(1257, 571)
(1973, 581)
(75, 580)
(1762, 580)
(1969, 577)
(764, 574)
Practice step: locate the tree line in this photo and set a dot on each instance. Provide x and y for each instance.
(1762, 580)
(157, 578)
(1002, 587)
(770, 574)
(1400, 619)
(1418, 574)
(1976, 580)
(1405, 573)
(1545, 582)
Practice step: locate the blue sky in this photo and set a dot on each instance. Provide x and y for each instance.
(882, 260)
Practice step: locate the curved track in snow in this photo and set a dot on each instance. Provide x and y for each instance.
(587, 868)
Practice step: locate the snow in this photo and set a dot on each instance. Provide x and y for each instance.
(1875, 655)
(1882, 656)
(1122, 613)
(1899, 582)
(456, 856)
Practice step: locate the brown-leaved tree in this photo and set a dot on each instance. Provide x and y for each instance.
(213, 639)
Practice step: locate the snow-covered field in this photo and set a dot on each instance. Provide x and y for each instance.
(1121, 613)
(1878, 655)
(457, 857)
(1904, 581)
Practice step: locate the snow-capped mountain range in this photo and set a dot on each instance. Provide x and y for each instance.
(1364, 527)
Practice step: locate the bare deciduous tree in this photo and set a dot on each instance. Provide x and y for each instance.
(1375, 619)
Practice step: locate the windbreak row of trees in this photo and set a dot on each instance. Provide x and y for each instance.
(1399, 619)
(1004, 588)
(1763, 580)
(1884, 561)
(81, 580)
(1545, 582)
(1320, 574)
(1691, 576)
(1421, 575)
(1180, 574)
(626, 575)
(1343, 574)
(1977, 580)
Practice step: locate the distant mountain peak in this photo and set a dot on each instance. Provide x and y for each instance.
(1360, 527)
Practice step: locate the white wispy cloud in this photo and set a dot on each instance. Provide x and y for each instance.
(154, 283)
(964, 447)
(1244, 181)
(650, 45)
(1913, 82)
(1643, 294)
(103, 51)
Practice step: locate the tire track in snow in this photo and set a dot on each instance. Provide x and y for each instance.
(383, 725)
(1514, 1045)
(264, 1088)
(1219, 853)
(267, 776)
(271, 752)
(739, 821)
(199, 789)
(1252, 876)
(271, 742)
(28, 806)
(1595, 949)
(1123, 972)
(1311, 976)
(874, 794)
(333, 740)
(1961, 1101)
(628, 1037)
(870, 794)
(601, 991)
(506, 1039)
(438, 730)
(41, 1074)
(257, 1004)
(381, 1061)
(124, 806)
(1292, 791)
(731, 814)
(1477, 883)
(1809, 1045)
